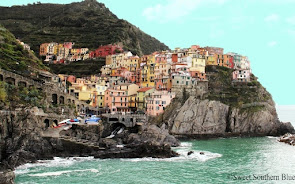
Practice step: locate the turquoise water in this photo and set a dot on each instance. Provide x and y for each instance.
(225, 160)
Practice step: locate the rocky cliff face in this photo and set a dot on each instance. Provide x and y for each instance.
(205, 118)
(227, 109)
(23, 140)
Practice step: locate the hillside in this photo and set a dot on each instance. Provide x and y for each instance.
(79, 68)
(13, 57)
(88, 24)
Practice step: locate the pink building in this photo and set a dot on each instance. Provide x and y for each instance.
(117, 97)
(71, 78)
(241, 76)
(68, 45)
(158, 101)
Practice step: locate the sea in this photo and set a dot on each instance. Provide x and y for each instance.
(231, 160)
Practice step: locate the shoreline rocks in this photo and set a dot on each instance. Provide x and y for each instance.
(7, 177)
(210, 119)
(288, 139)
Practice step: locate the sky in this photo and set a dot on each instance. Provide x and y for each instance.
(263, 30)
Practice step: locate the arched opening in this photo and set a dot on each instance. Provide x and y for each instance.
(55, 122)
(78, 108)
(46, 121)
(69, 101)
(54, 99)
(1, 77)
(116, 127)
(10, 81)
(61, 100)
(22, 84)
(73, 101)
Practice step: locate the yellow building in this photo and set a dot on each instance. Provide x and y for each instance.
(144, 76)
(211, 60)
(151, 71)
(132, 102)
(142, 95)
(198, 64)
(132, 63)
(100, 89)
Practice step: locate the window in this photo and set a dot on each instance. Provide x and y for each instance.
(163, 102)
(177, 82)
(157, 108)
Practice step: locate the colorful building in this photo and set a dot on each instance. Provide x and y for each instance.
(106, 50)
(117, 97)
(241, 76)
(142, 95)
(158, 101)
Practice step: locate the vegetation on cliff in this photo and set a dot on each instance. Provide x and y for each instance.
(13, 97)
(88, 24)
(13, 57)
(79, 68)
(222, 89)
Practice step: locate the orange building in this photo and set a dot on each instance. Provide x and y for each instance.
(44, 49)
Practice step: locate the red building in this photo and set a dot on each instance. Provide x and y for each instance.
(174, 58)
(106, 50)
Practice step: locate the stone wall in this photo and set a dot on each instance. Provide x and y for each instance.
(198, 90)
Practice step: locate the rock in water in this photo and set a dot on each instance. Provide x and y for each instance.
(190, 152)
(288, 139)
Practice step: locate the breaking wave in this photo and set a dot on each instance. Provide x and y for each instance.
(57, 173)
(182, 150)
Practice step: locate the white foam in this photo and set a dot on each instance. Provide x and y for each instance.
(271, 137)
(182, 150)
(56, 162)
(58, 173)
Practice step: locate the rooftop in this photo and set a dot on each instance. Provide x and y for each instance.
(144, 89)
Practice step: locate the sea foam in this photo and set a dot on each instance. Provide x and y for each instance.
(182, 150)
(57, 173)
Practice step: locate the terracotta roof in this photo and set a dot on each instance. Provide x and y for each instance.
(144, 89)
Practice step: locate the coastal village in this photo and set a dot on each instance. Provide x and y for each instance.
(147, 84)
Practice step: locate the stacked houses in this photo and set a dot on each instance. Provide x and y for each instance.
(62, 53)
(57, 53)
(149, 83)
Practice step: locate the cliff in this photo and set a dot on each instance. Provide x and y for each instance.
(13, 57)
(24, 138)
(88, 24)
(226, 110)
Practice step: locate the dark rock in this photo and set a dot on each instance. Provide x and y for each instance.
(190, 152)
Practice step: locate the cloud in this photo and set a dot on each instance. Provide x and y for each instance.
(272, 43)
(272, 18)
(291, 20)
(176, 9)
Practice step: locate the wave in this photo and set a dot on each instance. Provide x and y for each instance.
(182, 150)
(56, 162)
(57, 173)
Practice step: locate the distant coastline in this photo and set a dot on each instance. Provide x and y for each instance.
(286, 113)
